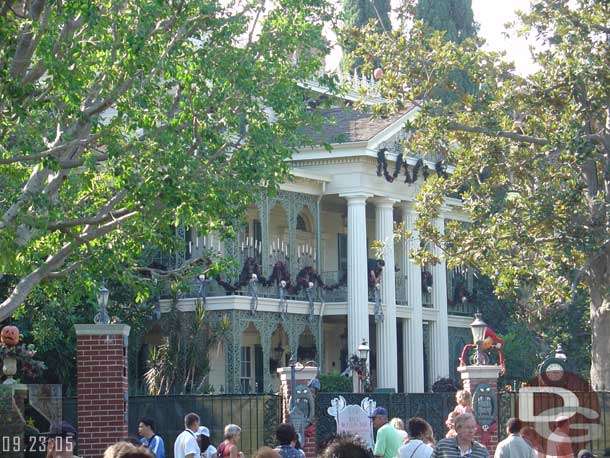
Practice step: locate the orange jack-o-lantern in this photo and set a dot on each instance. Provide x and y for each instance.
(9, 336)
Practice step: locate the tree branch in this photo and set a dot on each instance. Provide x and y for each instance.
(74, 163)
(71, 268)
(492, 133)
(59, 225)
(30, 281)
(53, 262)
(79, 142)
(27, 43)
(173, 272)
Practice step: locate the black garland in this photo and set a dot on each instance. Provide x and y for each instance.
(250, 267)
(382, 168)
(418, 165)
(382, 164)
(280, 272)
(440, 170)
(426, 172)
(399, 164)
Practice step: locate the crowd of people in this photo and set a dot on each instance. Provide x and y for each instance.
(394, 439)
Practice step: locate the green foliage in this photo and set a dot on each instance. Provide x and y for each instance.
(358, 13)
(530, 159)
(523, 352)
(29, 368)
(181, 364)
(333, 382)
(47, 318)
(454, 17)
(123, 119)
(445, 385)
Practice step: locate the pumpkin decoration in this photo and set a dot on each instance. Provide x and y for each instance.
(378, 73)
(9, 336)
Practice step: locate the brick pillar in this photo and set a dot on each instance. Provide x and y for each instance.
(472, 376)
(102, 386)
(303, 377)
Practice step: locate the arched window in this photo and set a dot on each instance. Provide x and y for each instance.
(301, 224)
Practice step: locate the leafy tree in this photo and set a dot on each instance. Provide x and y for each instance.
(523, 352)
(121, 119)
(358, 13)
(454, 17)
(531, 158)
(47, 318)
(180, 364)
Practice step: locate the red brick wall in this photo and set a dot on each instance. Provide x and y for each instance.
(102, 390)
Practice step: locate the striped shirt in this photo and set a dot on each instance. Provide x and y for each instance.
(449, 448)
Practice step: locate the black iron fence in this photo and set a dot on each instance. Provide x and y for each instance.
(257, 415)
(434, 407)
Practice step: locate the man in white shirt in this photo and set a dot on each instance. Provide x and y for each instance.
(514, 446)
(186, 443)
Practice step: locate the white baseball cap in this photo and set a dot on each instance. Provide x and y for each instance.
(203, 431)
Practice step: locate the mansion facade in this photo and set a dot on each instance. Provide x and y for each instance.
(305, 257)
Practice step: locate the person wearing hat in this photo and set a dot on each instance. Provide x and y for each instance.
(203, 437)
(388, 440)
(584, 453)
(61, 440)
(150, 439)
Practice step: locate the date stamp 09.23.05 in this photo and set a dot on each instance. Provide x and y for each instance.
(32, 444)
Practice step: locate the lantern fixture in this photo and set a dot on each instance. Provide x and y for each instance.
(102, 301)
(478, 328)
(363, 350)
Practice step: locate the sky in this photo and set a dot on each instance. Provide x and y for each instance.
(491, 16)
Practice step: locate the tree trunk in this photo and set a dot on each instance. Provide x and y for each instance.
(599, 289)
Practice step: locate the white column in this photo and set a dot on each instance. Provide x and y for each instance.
(439, 335)
(387, 346)
(413, 332)
(357, 285)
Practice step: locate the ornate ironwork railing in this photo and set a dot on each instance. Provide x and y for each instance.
(461, 308)
(335, 293)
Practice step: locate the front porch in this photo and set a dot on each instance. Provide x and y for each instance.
(256, 344)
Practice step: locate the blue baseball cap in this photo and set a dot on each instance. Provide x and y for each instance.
(379, 411)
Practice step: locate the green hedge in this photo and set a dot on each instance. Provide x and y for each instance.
(333, 382)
